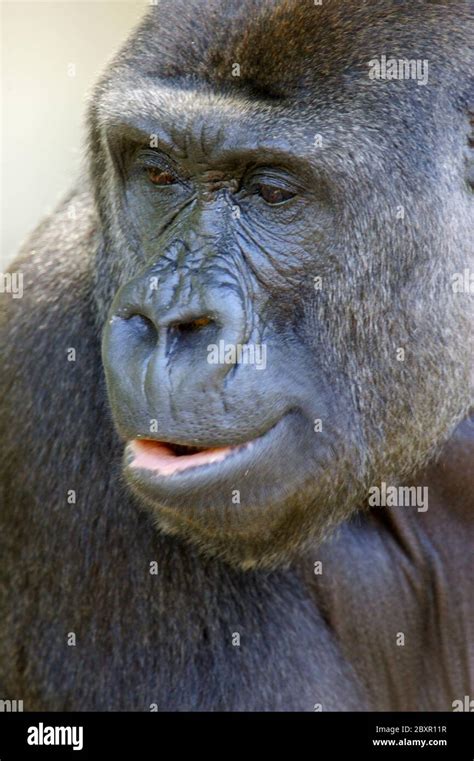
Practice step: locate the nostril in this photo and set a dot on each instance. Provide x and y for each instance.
(190, 326)
(143, 327)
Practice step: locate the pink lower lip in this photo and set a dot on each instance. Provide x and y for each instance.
(158, 457)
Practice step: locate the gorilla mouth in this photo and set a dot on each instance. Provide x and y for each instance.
(165, 459)
(189, 477)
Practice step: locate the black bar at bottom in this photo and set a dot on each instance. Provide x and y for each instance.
(155, 735)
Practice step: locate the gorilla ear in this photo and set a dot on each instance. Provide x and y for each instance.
(470, 153)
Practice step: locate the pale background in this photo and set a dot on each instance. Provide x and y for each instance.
(42, 107)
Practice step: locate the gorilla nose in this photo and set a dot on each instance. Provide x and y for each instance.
(174, 329)
(157, 348)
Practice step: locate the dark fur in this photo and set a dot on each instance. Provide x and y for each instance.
(84, 568)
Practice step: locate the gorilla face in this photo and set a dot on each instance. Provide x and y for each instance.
(213, 373)
(282, 295)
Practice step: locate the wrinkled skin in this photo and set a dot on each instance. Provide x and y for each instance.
(210, 208)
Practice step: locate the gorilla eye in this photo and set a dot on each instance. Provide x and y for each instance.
(160, 177)
(273, 195)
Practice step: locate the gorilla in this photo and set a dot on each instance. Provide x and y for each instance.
(237, 393)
